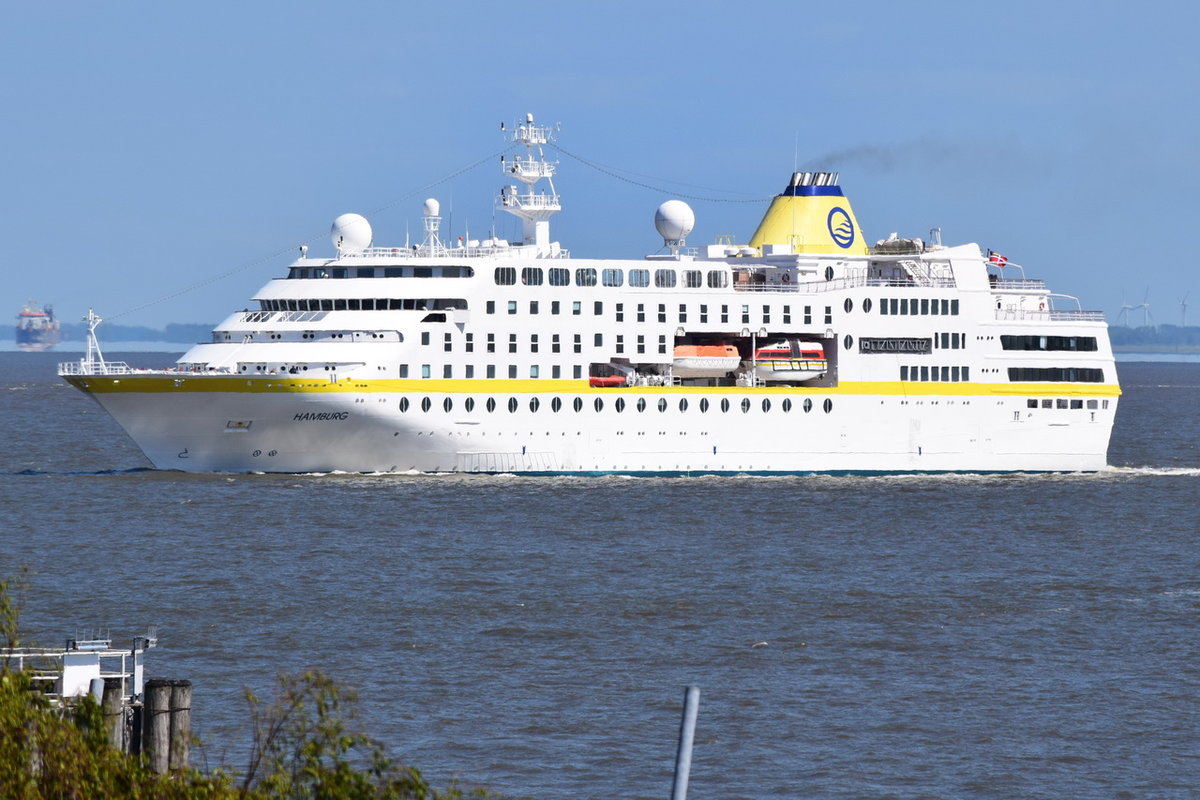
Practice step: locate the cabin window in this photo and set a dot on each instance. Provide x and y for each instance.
(682, 312)
(662, 312)
(641, 312)
(641, 344)
(808, 315)
(490, 405)
(598, 308)
(491, 342)
(787, 315)
(766, 315)
(447, 372)
(469, 343)
(683, 404)
(470, 373)
(693, 278)
(619, 405)
(531, 276)
(585, 276)
(620, 312)
(533, 373)
(533, 342)
(620, 343)
(745, 315)
(425, 371)
(556, 373)
(717, 279)
(512, 405)
(555, 346)
(512, 371)
(745, 405)
(766, 405)
(828, 405)
(533, 306)
(664, 278)
(598, 340)
(491, 372)
(598, 404)
(703, 405)
(639, 278)
(512, 306)
(578, 343)
(506, 276)
(903, 373)
(447, 343)
(512, 343)
(641, 404)
(560, 276)
(576, 308)
(662, 344)
(578, 403)
(867, 305)
(703, 314)
(807, 404)
(724, 405)
(612, 277)
(724, 314)
(403, 405)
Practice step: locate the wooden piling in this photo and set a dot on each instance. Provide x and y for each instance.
(181, 723)
(156, 724)
(112, 707)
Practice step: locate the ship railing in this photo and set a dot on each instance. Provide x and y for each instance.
(96, 368)
(1026, 284)
(846, 282)
(1048, 315)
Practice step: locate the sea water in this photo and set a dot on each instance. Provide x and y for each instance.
(961, 636)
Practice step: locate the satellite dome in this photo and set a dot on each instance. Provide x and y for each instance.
(674, 220)
(432, 207)
(351, 233)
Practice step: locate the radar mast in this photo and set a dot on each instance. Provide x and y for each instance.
(533, 207)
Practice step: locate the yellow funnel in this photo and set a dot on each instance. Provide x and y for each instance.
(813, 216)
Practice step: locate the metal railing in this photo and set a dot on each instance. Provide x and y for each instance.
(1066, 315)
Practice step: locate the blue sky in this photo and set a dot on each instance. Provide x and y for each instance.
(183, 151)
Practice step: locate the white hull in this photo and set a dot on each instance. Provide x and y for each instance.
(368, 433)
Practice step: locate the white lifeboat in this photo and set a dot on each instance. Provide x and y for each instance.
(704, 360)
(790, 360)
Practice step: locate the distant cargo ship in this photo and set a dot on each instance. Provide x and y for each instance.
(37, 329)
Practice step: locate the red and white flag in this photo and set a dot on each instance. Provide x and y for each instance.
(997, 259)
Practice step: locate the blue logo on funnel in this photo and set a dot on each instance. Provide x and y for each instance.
(841, 229)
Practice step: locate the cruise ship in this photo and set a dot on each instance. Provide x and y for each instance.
(802, 349)
(37, 329)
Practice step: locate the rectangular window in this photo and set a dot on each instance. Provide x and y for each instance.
(447, 343)
(662, 344)
(585, 276)
(598, 308)
(491, 343)
(664, 278)
(639, 278)
(447, 371)
(578, 343)
(933, 307)
(766, 315)
(533, 306)
(425, 371)
(693, 278)
(512, 306)
(945, 308)
(641, 312)
(491, 370)
(506, 276)
(933, 373)
(883, 306)
(682, 313)
(533, 370)
(577, 372)
(424, 338)
(352, 305)
(576, 308)
(620, 312)
(808, 315)
(620, 343)
(1031, 403)
(903, 373)
(945, 337)
(893, 306)
(555, 347)
(903, 306)
(787, 315)
(533, 342)
(512, 370)
(512, 343)
(954, 340)
(662, 311)
(924, 373)
(745, 315)
(560, 276)
(724, 314)
(946, 374)
(717, 279)
(1076, 404)
(556, 372)
(404, 370)
(1092, 404)
(924, 306)
(966, 373)
(1060, 402)
(470, 368)
(641, 344)
(469, 343)
(612, 277)
(954, 374)
(555, 306)
(954, 307)
(599, 340)
(828, 315)
(703, 314)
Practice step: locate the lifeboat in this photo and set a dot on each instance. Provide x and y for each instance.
(790, 360)
(704, 360)
(606, 381)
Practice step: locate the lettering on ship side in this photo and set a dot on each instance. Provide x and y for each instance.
(869, 345)
(321, 416)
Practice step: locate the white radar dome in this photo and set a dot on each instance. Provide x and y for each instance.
(351, 233)
(674, 220)
(432, 207)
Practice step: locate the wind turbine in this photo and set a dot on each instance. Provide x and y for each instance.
(1183, 310)
(1145, 307)
(1125, 309)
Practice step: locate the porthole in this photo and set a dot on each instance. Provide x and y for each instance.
(828, 405)
(662, 405)
(867, 305)
(807, 404)
(620, 404)
(641, 404)
(848, 305)
(829, 273)
(599, 404)
(512, 405)
(724, 405)
(426, 404)
(533, 404)
(403, 404)
(491, 404)
(766, 405)
(469, 404)
(578, 404)
(745, 405)
(787, 405)
(703, 405)
(848, 341)
(447, 405)
(556, 405)
(683, 404)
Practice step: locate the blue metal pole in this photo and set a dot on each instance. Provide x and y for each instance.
(687, 733)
